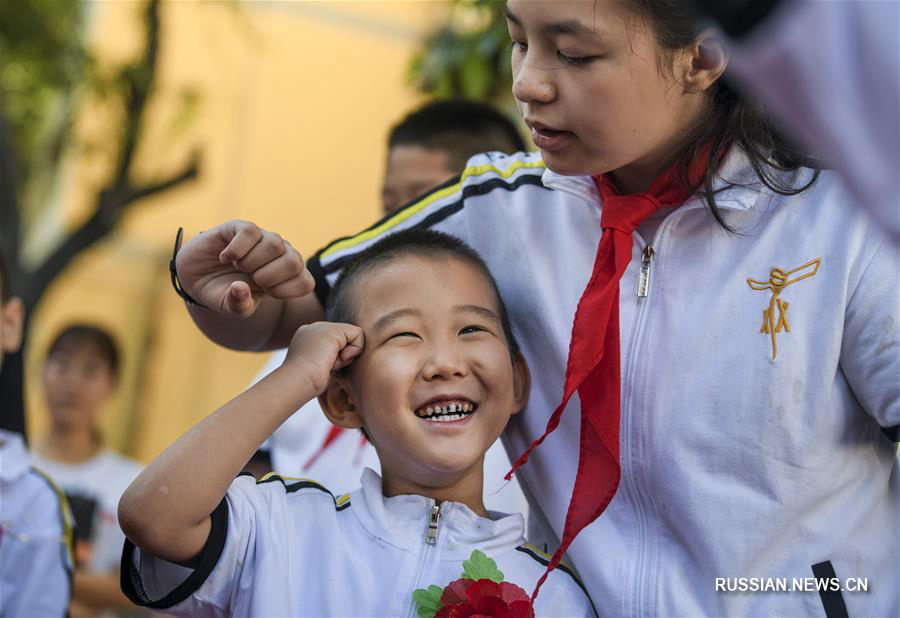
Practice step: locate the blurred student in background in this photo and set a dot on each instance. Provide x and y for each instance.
(35, 549)
(80, 375)
(429, 146)
(432, 144)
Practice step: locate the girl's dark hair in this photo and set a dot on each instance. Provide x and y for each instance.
(80, 334)
(730, 120)
(418, 242)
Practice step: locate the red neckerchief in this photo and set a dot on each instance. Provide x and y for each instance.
(333, 434)
(593, 364)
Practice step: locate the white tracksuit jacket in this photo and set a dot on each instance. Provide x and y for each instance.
(735, 464)
(291, 548)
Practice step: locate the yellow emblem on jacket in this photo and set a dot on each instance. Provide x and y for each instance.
(778, 280)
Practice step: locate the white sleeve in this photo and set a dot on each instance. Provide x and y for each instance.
(35, 555)
(238, 539)
(870, 350)
(830, 72)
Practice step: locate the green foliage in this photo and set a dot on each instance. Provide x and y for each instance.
(468, 58)
(428, 601)
(42, 59)
(479, 566)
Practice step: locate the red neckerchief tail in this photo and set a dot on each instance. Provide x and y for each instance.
(593, 365)
(333, 434)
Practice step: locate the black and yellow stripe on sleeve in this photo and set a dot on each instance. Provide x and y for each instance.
(427, 211)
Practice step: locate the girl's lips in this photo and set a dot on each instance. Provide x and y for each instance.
(548, 139)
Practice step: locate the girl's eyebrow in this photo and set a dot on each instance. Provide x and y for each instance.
(567, 26)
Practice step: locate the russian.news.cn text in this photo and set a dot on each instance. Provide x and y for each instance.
(792, 584)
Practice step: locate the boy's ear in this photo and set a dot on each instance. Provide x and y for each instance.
(707, 61)
(521, 382)
(12, 313)
(338, 404)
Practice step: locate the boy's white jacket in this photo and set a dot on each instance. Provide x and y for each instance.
(291, 548)
(735, 464)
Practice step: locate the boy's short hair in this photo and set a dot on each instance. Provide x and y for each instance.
(417, 242)
(460, 128)
(79, 334)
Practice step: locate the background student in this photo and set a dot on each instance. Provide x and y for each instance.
(80, 375)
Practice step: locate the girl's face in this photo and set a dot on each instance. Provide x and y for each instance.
(587, 79)
(77, 382)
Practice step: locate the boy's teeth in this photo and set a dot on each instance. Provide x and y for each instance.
(448, 412)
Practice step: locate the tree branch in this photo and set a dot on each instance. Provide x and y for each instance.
(140, 81)
(189, 172)
(111, 206)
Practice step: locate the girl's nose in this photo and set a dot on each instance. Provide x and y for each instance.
(533, 84)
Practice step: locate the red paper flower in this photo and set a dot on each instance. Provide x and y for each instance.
(480, 593)
(483, 598)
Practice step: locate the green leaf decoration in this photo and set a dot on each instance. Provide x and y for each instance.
(479, 566)
(428, 602)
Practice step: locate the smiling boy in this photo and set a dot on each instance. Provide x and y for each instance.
(435, 376)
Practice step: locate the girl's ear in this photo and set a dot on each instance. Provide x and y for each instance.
(521, 383)
(707, 60)
(338, 404)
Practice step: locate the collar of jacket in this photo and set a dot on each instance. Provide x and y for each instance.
(735, 170)
(402, 521)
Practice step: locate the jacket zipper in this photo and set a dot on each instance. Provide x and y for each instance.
(643, 293)
(433, 522)
(643, 286)
(423, 569)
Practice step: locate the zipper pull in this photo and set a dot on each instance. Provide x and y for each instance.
(644, 279)
(433, 522)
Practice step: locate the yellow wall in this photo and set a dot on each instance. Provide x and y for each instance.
(296, 100)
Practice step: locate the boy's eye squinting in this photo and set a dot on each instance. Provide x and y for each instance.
(403, 334)
(472, 329)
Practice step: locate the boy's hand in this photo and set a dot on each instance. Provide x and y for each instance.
(318, 349)
(232, 267)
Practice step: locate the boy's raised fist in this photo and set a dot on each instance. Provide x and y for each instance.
(318, 349)
(233, 266)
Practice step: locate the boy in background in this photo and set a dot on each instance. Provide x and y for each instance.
(432, 373)
(35, 524)
(432, 144)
